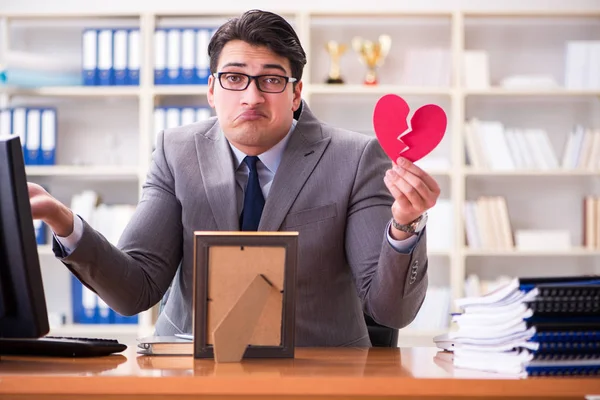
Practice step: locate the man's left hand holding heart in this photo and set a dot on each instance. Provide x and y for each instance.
(414, 191)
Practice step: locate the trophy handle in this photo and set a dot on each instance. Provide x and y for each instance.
(385, 44)
(357, 45)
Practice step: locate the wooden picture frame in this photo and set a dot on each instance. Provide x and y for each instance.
(244, 294)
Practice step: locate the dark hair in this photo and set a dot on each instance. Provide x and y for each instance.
(260, 28)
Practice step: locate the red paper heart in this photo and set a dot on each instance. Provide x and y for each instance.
(426, 130)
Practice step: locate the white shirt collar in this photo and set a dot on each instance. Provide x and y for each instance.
(270, 158)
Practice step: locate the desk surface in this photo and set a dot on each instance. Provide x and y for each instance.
(316, 373)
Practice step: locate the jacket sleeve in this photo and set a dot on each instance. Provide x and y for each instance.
(133, 276)
(390, 284)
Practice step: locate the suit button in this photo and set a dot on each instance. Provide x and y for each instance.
(413, 272)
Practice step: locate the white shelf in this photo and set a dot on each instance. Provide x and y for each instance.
(73, 15)
(179, 90)
(575, 251)
(98, 172)
(439, 253)
(497, 91)
(534, 173)
(371, 13)
(350, 89)
(45, 250)
(418, 333)
(90, 330)
(439, 172)
(549, 13)
(76, 91)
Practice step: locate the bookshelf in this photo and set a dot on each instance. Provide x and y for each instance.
(88, 172)
(517, 42)
(75, 91)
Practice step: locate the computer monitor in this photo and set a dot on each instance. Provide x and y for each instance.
(23, 312)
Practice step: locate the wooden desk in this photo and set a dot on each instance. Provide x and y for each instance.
(408, 373)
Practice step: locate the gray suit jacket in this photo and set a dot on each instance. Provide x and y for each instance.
(329, 187)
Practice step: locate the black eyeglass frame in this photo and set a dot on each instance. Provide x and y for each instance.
(288, 79)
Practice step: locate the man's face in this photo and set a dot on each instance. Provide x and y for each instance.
(253, 121)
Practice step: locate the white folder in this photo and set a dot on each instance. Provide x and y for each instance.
(593, 78)
(48, 136)
(174, 55)
(188, 49)
(160, 56)
(173, 117)
(188, 116)
(203, 113)
(159, 122)
(5, 116)
(120, 56)
(33, 137)
(202, 59)
(105, 57)
(133, 57)
(19, 122)
(90, 57)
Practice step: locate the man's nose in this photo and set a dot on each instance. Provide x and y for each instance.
(252, 95)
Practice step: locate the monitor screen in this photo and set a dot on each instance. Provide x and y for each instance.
(23, 311)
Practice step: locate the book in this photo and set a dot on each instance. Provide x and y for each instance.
(165, 345)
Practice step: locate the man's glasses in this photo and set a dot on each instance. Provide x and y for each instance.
(265, 83)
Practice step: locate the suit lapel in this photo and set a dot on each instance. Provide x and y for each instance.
(303, 152)
(216, 168)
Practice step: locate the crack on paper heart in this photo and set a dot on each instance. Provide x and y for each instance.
(407, 131)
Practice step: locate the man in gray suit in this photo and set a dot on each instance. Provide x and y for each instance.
(360, 217)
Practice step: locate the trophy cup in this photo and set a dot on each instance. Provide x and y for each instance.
(335, 51)
(372, 55)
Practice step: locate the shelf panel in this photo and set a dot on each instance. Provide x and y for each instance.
(98, 172)
(438, 172)
(548, 13)
(341, 13)
(438, 253)
(76, 91)
(350, 89)
(179, 90)
(70, 15)
(420, 333)
(90, 330)
(496, 91)
(533, 173)
(45, 250)
(575, 251)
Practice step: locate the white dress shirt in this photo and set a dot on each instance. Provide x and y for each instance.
(267, 167)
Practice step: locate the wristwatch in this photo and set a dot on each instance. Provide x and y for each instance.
(415, 226)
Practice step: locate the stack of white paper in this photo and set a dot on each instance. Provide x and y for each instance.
(492, 334)
(529, 326)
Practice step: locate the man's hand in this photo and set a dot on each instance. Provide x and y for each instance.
(414, 191)
(45, 207)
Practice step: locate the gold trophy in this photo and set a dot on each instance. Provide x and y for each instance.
(372, 55)
(335, 51)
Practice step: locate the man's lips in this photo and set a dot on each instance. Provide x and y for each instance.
(250, 115)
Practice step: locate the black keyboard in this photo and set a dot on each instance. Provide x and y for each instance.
(58, 346)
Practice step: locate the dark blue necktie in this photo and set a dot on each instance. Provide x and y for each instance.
(254, 200)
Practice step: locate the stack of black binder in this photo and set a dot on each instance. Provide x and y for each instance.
(530, 327)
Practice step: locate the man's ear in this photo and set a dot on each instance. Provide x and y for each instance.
(297, 96)
(210, 95)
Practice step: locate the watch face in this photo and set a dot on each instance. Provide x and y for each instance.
(420, 224)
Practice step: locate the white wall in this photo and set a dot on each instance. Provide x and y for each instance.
(38, 6)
